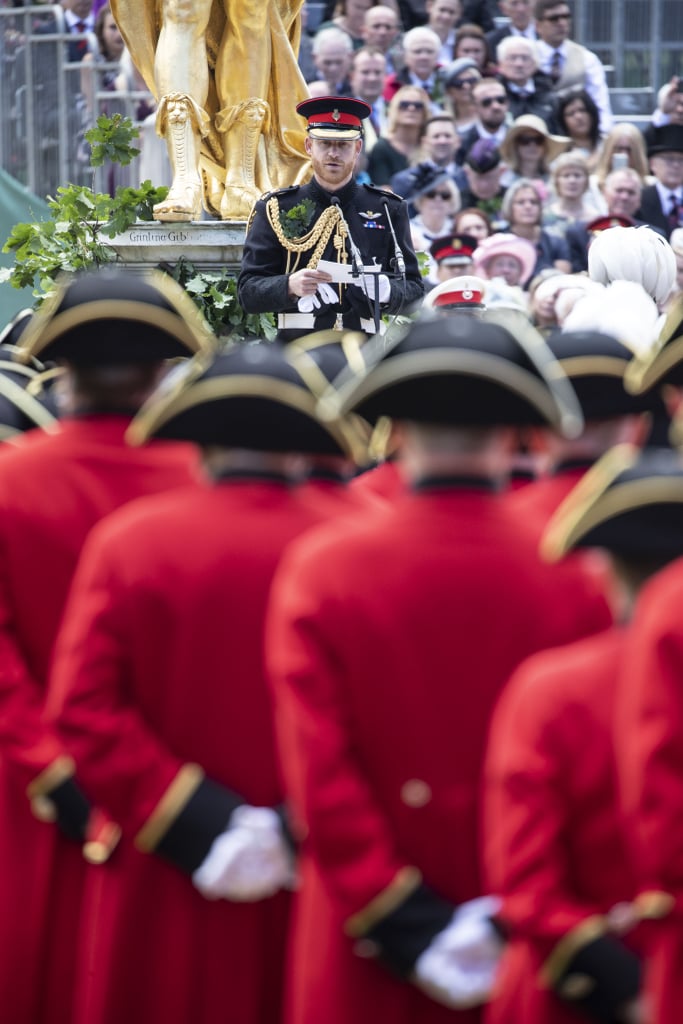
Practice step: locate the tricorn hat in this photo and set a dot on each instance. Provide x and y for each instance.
(662, 363)
(462, 370)
(630, 502)
(596, 363)
(112, 316)
(20, 409)
(250, 396)
(334, 117)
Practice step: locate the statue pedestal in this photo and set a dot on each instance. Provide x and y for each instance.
(209, 245)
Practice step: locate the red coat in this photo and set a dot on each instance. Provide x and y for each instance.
(649, 746)
(53, 488)
(554, 833)
(387, 649)
(384, 480)
(159, 668)
(536, 503)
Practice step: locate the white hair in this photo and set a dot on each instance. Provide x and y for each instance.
(421, 34)
(508, 42)
(332, 35)
(639, 254)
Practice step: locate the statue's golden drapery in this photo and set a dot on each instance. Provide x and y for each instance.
(226, 78)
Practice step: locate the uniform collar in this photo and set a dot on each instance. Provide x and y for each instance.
(251, 476)
(455, 482)
(343, 194)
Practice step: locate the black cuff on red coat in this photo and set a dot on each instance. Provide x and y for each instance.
(72, 807)
(600, 978)
(287, 834)
(205, 815)
(407, 931)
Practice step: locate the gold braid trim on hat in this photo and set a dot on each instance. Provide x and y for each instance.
(330, 221)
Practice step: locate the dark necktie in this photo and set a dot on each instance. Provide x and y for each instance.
(674, 212)
(556, 66)
(82, 44)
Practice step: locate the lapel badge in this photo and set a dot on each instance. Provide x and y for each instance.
(370, 219)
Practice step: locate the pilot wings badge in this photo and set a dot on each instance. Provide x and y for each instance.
(370, 219)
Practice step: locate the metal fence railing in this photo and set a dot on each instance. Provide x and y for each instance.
(48, 99)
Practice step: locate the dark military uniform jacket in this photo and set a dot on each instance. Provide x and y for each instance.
(277, 244)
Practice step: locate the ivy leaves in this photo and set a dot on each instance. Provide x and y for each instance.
(215, 292)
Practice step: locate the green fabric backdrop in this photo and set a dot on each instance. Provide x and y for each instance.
(17, 204)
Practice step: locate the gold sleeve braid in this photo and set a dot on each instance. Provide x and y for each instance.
(328, 223)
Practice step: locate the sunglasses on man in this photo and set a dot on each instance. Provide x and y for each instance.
(489, 100)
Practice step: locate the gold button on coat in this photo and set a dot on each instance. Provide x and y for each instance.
(416, 793)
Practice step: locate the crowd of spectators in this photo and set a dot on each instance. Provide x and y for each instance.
(494, 124)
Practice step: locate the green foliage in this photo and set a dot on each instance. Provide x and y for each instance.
(73, 238)
(81, 221)
(215, 292)
(423, 262)
(80, 218)
(110, 141)
(297, 221)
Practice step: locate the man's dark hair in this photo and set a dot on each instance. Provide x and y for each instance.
(541, 7)
(567, 96)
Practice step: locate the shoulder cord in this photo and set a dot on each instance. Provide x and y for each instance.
(329, 221)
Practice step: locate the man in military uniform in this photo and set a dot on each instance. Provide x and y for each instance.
(359, 231)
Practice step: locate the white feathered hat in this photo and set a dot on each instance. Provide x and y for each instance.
(639, 254)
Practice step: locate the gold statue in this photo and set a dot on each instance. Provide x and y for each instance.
(226, 79)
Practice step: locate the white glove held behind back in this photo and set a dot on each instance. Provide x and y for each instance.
(459, 965)
(249, 861)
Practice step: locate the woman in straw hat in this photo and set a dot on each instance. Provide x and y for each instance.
(529, 149)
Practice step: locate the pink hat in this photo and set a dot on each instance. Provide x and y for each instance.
(506, 244)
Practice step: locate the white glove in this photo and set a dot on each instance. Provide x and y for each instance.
(459, 965)
(366, 283)
(324, 295)
(249, 861)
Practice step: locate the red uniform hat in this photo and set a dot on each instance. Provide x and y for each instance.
(466, 292)
(594, 227)
(334, 117)
(455, 250)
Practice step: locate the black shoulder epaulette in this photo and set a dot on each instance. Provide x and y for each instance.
(280, 191)
(265, 196)
(387, 193)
